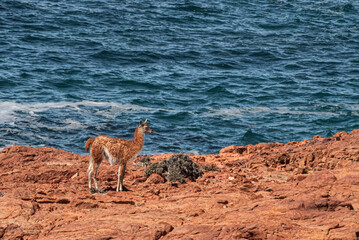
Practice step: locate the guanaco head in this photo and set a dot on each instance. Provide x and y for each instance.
(145, 127)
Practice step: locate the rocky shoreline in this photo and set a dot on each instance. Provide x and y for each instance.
(298, 190)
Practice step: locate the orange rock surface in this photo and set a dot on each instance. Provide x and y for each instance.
(297, 190)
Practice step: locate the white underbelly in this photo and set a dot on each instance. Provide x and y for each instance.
(111, 159)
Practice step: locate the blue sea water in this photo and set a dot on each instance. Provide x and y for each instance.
(207, 74)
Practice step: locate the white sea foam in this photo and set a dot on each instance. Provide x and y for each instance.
(70, 124)
(7, 110)
(73, 124)
(225, 112)
(10, 107)
(11, 111)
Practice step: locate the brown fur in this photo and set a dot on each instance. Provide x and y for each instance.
(89, 143)
(115, 150)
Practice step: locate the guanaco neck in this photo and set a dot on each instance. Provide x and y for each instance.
(138, 139)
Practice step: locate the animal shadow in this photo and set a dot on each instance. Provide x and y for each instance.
(104, 191)
(125, 189)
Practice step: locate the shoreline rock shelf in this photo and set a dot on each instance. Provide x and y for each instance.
(299, 190)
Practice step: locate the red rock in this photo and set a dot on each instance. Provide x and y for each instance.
(155, 179)
(340, 135)
(233, 149)
(354, 132)
(317, 137)
(319, 180)
(297, 190)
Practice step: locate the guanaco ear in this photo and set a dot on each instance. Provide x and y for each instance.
(140, 122)
(145, 121)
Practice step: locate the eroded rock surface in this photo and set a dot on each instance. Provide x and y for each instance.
(297, 190)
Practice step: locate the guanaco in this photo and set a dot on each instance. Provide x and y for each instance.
(115, 150)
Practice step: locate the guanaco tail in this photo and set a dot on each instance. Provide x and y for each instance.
(115, 150)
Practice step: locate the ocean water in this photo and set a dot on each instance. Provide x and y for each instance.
(206, 74)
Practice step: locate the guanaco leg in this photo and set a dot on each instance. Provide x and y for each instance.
(120, 175)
